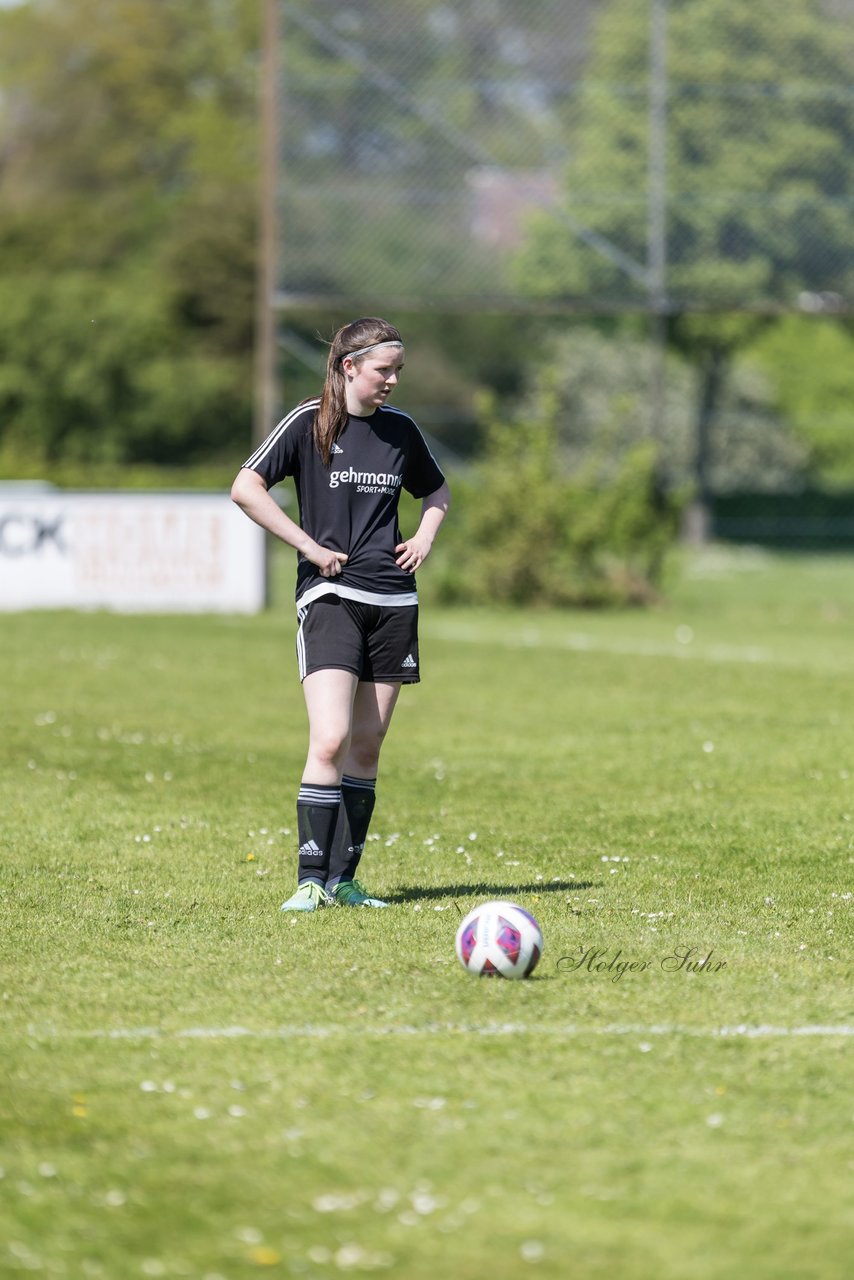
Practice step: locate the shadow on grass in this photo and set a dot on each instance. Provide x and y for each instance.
(502, 892)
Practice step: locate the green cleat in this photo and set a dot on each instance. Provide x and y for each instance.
(308, 897)
(349, 893)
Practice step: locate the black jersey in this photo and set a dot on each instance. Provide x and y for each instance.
(351, 505)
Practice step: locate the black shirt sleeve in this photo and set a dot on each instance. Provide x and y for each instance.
(279, 455)
(422, 473)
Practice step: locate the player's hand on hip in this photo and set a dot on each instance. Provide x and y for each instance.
(330, 563)
(410, 554)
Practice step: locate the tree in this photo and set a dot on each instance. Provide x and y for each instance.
(596, 387)
(759, 161)
(759, 132)
(128, 188)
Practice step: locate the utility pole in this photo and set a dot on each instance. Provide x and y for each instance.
(657, 210)
(266, 391)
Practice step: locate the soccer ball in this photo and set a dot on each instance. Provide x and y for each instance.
(499, 940)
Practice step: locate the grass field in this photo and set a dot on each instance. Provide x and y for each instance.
(196, 1086)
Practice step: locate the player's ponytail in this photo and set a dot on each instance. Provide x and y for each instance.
(331, 417)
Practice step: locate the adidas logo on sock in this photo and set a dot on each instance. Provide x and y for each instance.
(409, 661)
(310, 850)
(336, 448)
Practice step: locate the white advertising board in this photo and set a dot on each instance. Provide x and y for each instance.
(130, 552)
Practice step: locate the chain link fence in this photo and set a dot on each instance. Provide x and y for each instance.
(690, 162)
(583, 155)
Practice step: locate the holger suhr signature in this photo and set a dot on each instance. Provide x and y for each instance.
(614, 965)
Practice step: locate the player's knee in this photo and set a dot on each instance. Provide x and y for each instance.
(365, 750)
(328, 748)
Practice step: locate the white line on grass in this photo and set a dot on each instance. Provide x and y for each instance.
(315, 1031)
(582, 642)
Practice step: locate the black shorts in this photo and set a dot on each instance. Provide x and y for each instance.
(377, 643)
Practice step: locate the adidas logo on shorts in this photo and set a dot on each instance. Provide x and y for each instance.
(409, 662)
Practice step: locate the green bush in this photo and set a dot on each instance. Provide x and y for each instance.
(524, 533)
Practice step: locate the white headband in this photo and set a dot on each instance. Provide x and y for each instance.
(363, 351)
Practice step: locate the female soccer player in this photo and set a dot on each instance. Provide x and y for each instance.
(350, 455)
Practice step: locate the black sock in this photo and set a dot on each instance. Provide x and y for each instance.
(358, 796)
(317, 814)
